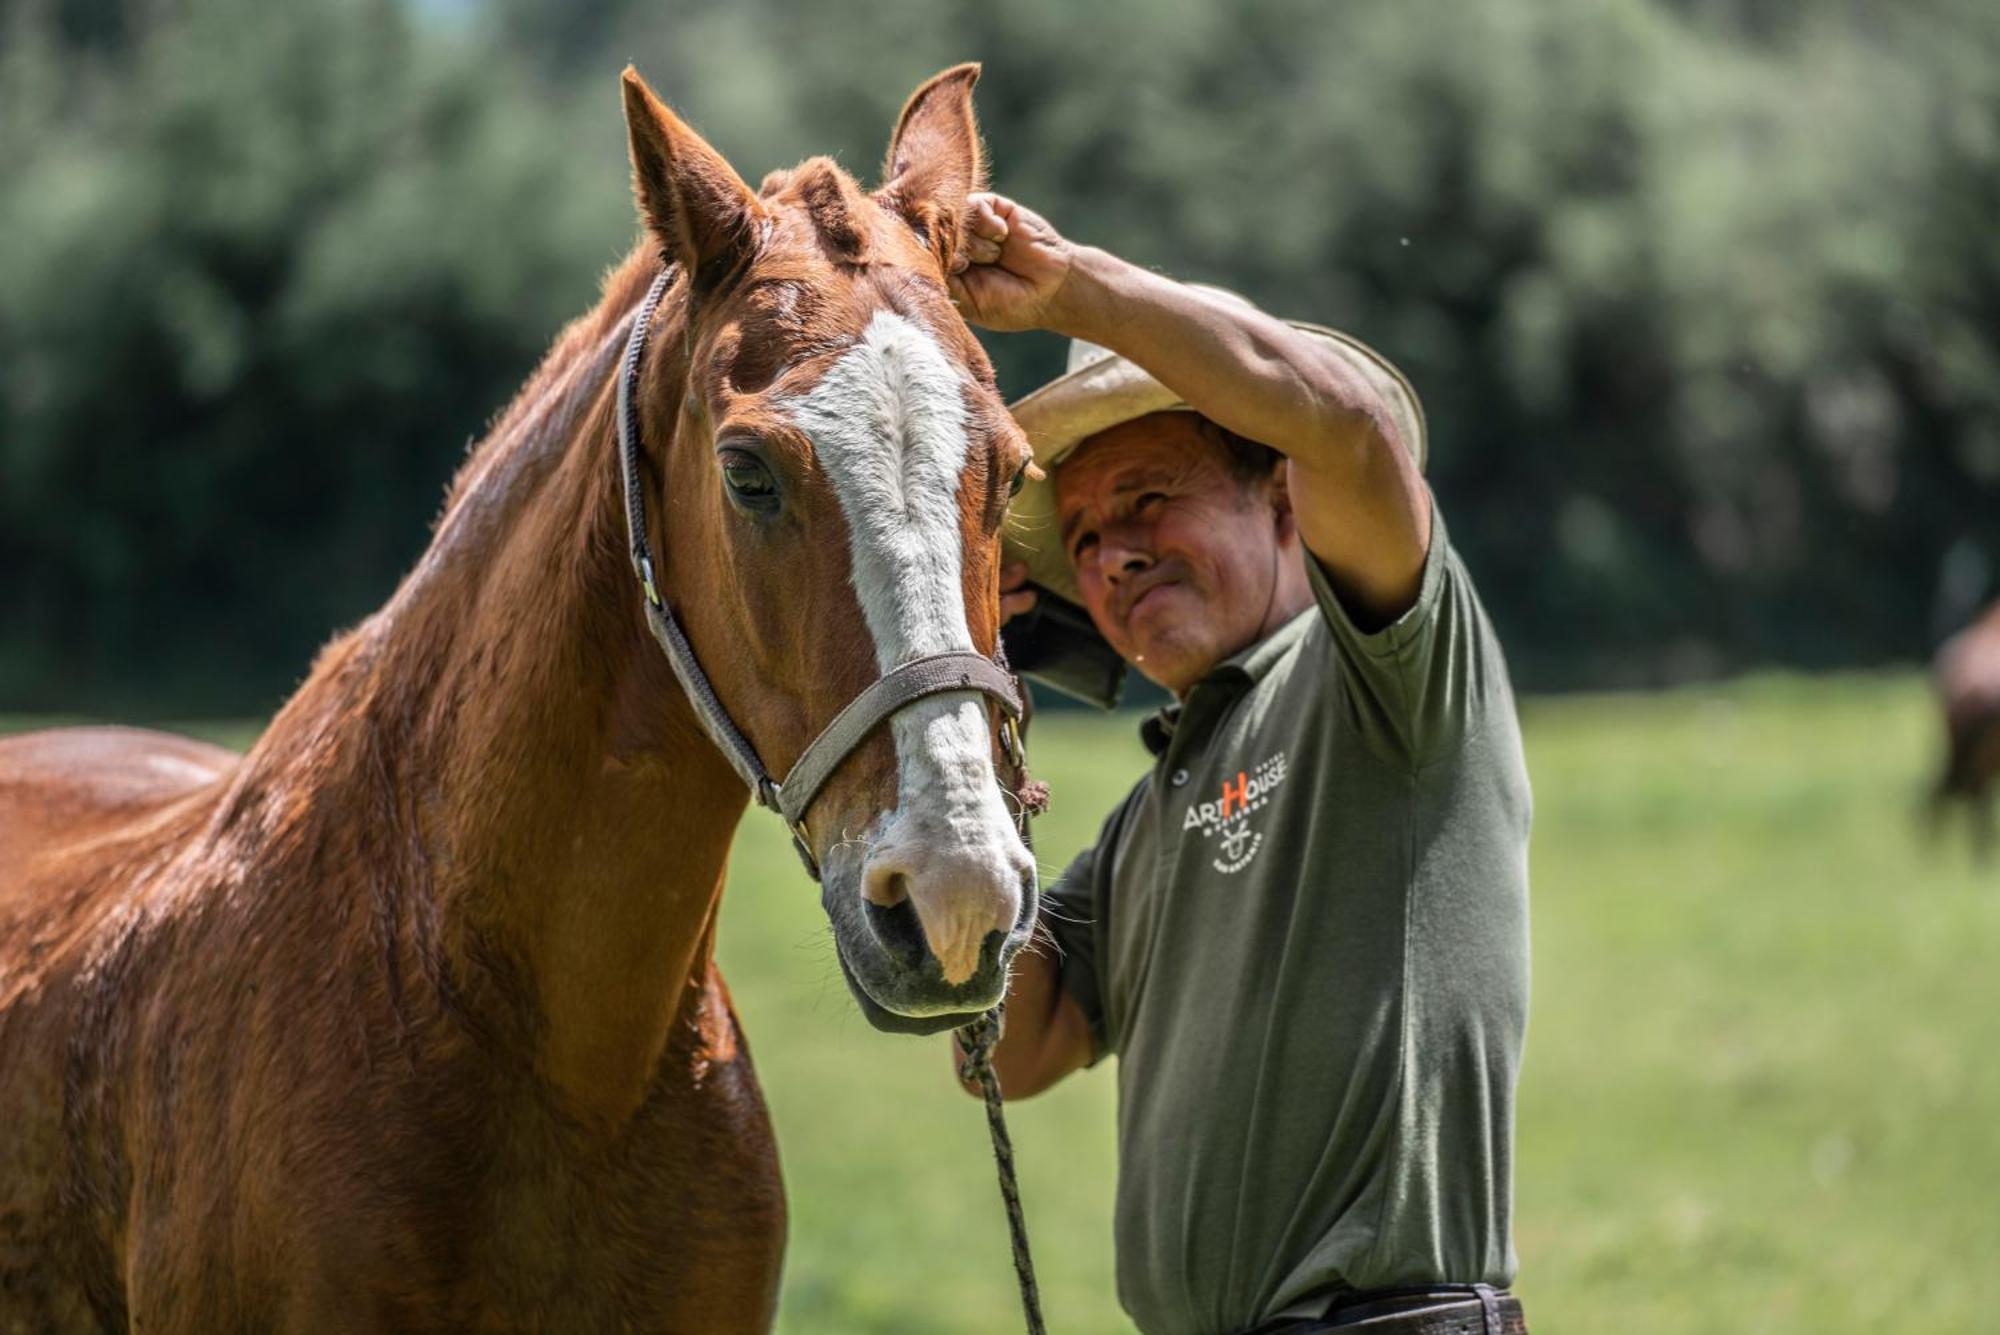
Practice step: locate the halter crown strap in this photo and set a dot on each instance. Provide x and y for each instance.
(715, 720)
(895, 690)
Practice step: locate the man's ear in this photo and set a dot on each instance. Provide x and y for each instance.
(935, 161)
(694, 204)
(1280, 490)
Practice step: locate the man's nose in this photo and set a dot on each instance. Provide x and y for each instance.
(1122, 556)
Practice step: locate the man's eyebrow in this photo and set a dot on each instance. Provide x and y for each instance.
(1155, 474)
(1152, 477)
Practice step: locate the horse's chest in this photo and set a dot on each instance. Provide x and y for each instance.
(517, 1218)
(682, 1218)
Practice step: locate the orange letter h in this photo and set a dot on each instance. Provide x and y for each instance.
(1240, 794)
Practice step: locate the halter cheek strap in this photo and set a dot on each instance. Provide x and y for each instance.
(891, 693)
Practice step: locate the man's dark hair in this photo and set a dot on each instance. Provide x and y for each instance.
(1249, 462)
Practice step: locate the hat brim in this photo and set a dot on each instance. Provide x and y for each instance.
(1064, 413)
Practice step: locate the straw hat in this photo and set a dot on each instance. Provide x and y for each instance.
(1099, 389)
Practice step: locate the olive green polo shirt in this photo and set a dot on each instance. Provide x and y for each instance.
(1305, 935)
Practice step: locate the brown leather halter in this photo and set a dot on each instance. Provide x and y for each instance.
(894, 691)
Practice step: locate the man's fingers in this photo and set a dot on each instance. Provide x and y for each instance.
(1014, 604)
(986, 222)
(1015, 598)
(981, 250)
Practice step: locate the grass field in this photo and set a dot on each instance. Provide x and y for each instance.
(1760, 1091)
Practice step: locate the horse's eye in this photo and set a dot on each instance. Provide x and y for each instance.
(1020, 477)
(748, 480)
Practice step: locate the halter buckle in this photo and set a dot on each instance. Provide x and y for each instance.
(803, 848)
(646, 578)
(1010, 742)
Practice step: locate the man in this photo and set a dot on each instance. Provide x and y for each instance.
(1304, 932)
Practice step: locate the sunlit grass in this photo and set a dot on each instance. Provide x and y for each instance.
(1759, 1094)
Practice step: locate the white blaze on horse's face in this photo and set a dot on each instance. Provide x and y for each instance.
(888, 423)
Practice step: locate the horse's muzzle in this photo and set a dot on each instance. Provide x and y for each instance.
(896, 977)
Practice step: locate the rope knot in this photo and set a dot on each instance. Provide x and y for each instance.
(976, 1041)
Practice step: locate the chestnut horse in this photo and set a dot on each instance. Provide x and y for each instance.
(409, 1019)
(1967, 676)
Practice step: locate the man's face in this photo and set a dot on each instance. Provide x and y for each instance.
(1176, 558)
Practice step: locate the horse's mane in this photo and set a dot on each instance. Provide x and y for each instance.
(546, 403)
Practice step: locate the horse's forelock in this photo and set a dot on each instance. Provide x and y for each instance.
(835, 205)
(833, 261)
(849, 225)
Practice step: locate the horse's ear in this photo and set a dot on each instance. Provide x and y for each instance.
(693, 202)
(935, 160)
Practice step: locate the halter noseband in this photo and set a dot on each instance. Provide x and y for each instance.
(894, 691)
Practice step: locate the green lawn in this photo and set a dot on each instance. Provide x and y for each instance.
(1759, 1092)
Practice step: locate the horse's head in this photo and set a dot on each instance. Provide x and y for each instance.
(832, 460)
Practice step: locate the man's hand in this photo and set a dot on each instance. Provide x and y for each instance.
(1015, 595)
(1012, 268)
(1046, 1036)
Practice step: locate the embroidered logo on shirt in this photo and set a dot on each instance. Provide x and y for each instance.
(1227, 821)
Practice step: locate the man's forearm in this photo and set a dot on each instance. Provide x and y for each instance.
(1353, 486)
(1233, 364)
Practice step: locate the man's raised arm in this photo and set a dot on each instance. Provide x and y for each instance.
(1360, 502)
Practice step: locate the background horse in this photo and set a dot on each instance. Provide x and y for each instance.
(1966, 674)
(408, 1019)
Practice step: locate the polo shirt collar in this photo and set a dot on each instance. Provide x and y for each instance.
(1229, 677)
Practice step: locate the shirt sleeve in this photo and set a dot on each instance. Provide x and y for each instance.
(1075, 910)
(1419, 686)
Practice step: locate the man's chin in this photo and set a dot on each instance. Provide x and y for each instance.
(1167, 661)
(1167, 606)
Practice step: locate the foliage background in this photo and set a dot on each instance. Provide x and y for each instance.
(1700, 294)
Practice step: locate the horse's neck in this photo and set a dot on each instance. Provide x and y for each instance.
(561, 810)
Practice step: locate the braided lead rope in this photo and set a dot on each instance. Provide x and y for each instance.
(976, 1040)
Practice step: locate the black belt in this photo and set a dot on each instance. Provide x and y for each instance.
(1437, 1309)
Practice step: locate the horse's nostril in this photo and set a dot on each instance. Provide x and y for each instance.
(885, 888)
(900, 932)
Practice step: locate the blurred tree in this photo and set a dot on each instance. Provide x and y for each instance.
(1699, 293)
(267, 271)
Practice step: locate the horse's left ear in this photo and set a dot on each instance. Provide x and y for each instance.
(935, 161)
(695, 205)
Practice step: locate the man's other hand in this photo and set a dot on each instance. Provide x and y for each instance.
(1015, 595)
(1012, 267)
